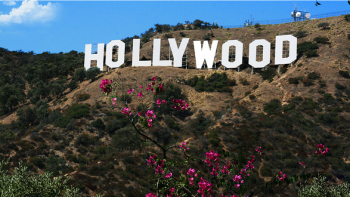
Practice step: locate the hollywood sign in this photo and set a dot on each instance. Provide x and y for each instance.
(201, 53)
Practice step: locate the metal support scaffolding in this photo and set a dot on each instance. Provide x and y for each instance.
(94, 51)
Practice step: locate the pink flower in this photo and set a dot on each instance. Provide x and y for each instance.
(130, 91)
(106, 85)
(154, 78)
(139, 114)
(169, 175)
(191, 171)
(140, 95)
(151, 195)
(141, 86)
(153, 83)
(159, 102)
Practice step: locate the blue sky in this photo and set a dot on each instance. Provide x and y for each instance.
(62, 26)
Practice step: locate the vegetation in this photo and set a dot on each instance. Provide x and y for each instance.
(321, 39)
(216, 82)
(301, 34)
(306, 46)
(347, 17)
(268, 74)
(319, 187)
(324, 25)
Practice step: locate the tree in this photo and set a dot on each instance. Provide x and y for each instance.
(26, 116)
(197, 23)
(92, 72)
(56, 89)
(72, 85)
(324, 25)
(21, 183)
(41, 109)
(80, 74)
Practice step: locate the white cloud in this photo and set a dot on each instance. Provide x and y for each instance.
(9, 2)
(30, 11)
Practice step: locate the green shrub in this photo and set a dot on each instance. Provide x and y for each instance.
(322, 83)
(244, 81)
(7, 135)
(347, 17)
(206, 37)
(252, 97)
(328, 118)
(182, 34)
(55, 165)
(92, 72)
(319, 187)
(339, 86)
(311, 53)
(324, 25)
(273, 107)
(257, 25)
(98, 124)
(80, 74)
(168, 35)
(293, 80)
(309, 104)
(78, 111)
(321, 39)
(215, 82)
(306, 46)
(344, 74)
(62, 121)
(86, 140)
(37, 161)
(79, 159)
(268, 74)
(126, 139)
(72, 84)
(36, 185)
(313, 76)
(300, 34)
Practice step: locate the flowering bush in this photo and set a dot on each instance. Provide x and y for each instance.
(195, 183)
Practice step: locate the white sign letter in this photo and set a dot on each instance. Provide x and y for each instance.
(136, 55)
(238, 54)
(156, 55)
(98, 56)
(205, 53)
(178, 52)
(121, 53)
(292, 49)
(266, 53)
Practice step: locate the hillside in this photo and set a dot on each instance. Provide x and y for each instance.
(286, 113)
